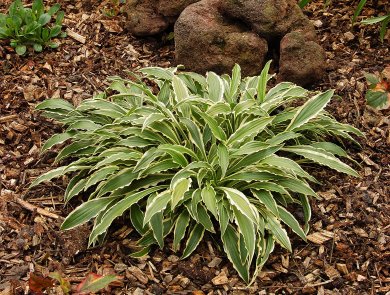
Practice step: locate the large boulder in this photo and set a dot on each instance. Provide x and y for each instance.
(269, 18)
(151, 17)
(261, 15)
(296, 20)
(144, 19)
(301, 61)
(173, 7)
(206, 41)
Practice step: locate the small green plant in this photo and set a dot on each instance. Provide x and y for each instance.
(114, 8)
(31, 26)
(193, 155)
(90, 284)
(384, 20)
(378, 94)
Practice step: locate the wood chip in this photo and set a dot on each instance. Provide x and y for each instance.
(76, 36)
(342, 268)
(215, 262)
(331, 272)
(220, 279)
(136, 272)
(320, 237)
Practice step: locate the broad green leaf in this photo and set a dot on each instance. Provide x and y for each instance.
(241, 202)
(278, 231)
(223, 159)
(249, 129)
(21, 49)
(118, 209)
(44, 19)
(86, 212)
(331, 148)
(322, 157)
(57, 172)
(181, 225)
(254, 158)
(193, 241)
(178, 191)
(223, 215)
(158, 204)
(230, 244)
(215, 87)
(234, 83)
(159, 73)
(99, 176)
(291, 222)
(204, 218)
(296, 185)
(262, 84)
(210, 200)
(267, 199)
(156, 224)
(195, 135)
(248, 230)
(287, 164)
(180, 89)
(117, 181)
(75, 190)
(214, 127)
(148, 157)
(137, 219)
(310, 109)
(73, 148)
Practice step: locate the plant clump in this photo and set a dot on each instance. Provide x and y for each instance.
(197, 155)
(31, 26)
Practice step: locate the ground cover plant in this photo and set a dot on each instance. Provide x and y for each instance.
(31, 26)
(378, 94)
(193, 155)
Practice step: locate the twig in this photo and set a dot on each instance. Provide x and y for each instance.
(40, 211)
(29, 206)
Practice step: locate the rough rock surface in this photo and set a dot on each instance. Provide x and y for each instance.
(173, 7)
(296, 20)
(205, 40)
(144, 19)
(262, 16)
(216, 34)
(269, 18)
(151, 17)
(301, 60)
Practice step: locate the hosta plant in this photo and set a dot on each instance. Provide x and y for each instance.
(182, 155)
(31, 26)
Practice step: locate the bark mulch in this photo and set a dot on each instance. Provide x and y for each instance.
(348, 251)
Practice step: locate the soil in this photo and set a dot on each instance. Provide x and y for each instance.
(348, 251)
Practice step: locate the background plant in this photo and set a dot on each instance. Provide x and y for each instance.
(383, 20)
(31, 26)
(195, 155)
(378, 94)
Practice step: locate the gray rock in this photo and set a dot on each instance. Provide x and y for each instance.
(207, 41)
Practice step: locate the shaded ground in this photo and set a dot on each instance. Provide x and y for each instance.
(348, 252)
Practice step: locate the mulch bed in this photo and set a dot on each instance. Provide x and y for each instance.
(349, 245)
